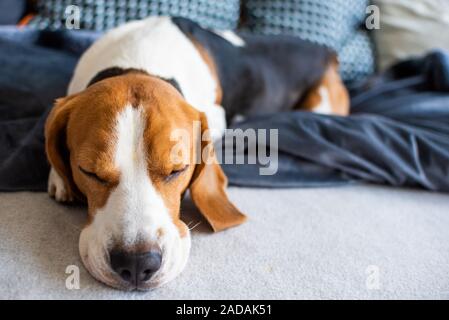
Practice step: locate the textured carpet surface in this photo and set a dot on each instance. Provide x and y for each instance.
(349, 242)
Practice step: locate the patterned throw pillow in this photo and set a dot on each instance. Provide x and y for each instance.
(335, 23)
(357, 58)
(105, 14)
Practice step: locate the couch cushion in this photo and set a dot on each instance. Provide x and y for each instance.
(102, 15)
(410, 28)
(334, 23)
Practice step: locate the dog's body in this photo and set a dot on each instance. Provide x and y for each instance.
(109, 141)
(220, 74)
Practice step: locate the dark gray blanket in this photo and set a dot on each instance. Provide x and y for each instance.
(398, 133)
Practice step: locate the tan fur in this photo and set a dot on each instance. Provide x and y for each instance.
(80, 126)
(338, 94)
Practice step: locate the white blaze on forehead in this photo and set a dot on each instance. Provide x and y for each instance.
(134, 210)
(129, 151)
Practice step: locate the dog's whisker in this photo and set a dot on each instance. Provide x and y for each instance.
(189, 224)
(196, 225)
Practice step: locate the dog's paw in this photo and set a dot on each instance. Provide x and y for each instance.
(57, 189)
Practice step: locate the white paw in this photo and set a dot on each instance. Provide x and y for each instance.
(56, 187)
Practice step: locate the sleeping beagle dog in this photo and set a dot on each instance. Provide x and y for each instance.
(108, 141)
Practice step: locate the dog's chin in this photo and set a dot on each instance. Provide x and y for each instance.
(95, 258)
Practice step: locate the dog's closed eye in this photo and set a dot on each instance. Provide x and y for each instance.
(175, 173)
(93, 176)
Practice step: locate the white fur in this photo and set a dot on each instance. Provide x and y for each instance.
(325, 106)
(134, 211)
(159, 47)
(56, 187)
(231, 37)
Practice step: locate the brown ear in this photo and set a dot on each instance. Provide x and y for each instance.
(208, 188)
(56, 142)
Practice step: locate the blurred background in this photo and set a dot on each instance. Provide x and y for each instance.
(406, 27)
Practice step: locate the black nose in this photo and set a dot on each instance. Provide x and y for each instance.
(136, 268)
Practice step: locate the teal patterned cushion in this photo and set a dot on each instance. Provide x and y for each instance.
(105, 14)
(357, 58)
(336, 23)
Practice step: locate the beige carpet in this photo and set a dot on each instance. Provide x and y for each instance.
(349, 242)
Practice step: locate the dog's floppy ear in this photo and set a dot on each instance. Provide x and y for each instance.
(56, 142)
(208, 188)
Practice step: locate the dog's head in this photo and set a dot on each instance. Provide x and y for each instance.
(112, 146)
